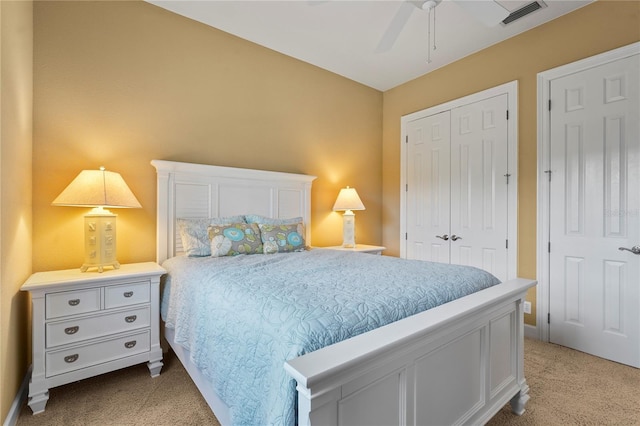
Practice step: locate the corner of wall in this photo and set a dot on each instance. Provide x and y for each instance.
(16, 141)
(21, 396)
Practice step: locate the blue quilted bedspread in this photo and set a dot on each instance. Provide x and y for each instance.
(242, 317)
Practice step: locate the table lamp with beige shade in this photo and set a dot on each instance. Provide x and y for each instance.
(99, 189)
(347, 201)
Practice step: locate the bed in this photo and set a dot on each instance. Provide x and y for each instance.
(456, 363)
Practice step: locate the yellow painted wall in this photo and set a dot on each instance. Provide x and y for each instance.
(593, 29)
(121, 83)
(16, 76)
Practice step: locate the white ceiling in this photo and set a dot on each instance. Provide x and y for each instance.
(342, 36)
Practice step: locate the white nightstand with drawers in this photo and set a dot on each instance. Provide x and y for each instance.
(90, 323)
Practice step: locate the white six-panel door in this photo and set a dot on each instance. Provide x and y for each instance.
(594, 204)
(428, 176)
(457, 186)
(479, 174)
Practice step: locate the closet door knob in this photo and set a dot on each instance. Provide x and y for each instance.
(634, 249)
(454, 237)
(443, 237)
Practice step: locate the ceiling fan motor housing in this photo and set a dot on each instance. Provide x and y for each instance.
(429, 4)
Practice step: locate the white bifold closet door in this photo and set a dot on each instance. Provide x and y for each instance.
(457, 186)
(429, 188)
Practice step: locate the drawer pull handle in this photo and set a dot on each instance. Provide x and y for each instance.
(74, 302)
(71, 330)
(71, 358)
(130, 344)
(128, 293)
(130, 318)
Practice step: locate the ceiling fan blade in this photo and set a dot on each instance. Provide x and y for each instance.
(395, 27)
(488, 12)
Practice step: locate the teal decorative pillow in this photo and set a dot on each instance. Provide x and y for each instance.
(282, 238)
(194, 233)
(256, 218)
(238, 238)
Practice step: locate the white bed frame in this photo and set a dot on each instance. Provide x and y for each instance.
(458, 363)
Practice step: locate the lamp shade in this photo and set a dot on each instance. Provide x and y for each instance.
(97, 188)
(348, 200)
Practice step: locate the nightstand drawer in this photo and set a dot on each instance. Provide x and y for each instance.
(65, 332)
(72, 302)
(126, 294)
(59, 362)
(90, 323)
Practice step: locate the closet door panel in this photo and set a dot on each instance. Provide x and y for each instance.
(479, 145)
(428, 191)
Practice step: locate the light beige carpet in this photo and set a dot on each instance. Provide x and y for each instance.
(573, 388)
(567, 388)
(126, 397)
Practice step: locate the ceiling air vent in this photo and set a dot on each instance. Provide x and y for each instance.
(524, 11)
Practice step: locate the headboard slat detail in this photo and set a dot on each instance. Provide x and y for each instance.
(197, 190)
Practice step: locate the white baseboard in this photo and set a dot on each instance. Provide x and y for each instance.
(531, 331)
(16, 406)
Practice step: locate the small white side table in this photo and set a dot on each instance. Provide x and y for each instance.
(90, 323)
(362, 248)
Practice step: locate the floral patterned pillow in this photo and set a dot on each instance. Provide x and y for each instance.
(194, 233)
(238, 238)
(256, 218)
(282, 238)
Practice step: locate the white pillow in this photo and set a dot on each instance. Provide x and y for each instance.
(256, 218)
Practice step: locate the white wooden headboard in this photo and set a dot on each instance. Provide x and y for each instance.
(201, 191)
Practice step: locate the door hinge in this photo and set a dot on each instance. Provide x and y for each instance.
(549, 247)
(548, 318)
(406, 139)
(507, 114)
(406, 187)
(507, 176)
(406, 235)
(548, 172)
(549, 105)
(506, 245)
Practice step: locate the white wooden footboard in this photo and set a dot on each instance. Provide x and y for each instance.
(458, 363)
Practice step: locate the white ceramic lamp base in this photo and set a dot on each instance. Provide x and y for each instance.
(99, 240)
(348, 229)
